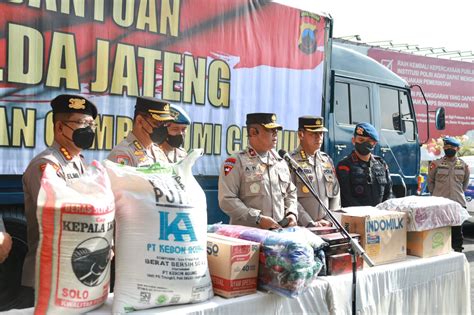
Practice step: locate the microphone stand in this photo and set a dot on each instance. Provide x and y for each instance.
(356, 249)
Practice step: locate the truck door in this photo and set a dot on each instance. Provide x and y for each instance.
(350, 104)
(398, 139)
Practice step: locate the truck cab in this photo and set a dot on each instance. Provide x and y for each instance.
(363, 90)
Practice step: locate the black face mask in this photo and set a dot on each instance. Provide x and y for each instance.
(364, 148)
(83, 137)
(159, 134)
(175, 141)
(449, 152)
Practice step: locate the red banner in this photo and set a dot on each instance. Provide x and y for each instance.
(446, 83)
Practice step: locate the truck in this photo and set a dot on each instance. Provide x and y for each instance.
(217, 59)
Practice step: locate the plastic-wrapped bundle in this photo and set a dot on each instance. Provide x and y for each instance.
(289, 258)
(426, 213)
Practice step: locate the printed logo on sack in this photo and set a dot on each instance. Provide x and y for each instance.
(307, 40)
(90, 260)
(173, 228)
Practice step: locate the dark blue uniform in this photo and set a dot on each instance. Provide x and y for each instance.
(363, 183)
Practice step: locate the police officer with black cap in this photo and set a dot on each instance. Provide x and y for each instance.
(449, 177)
(150, 123)
(319, 171)
(74, 131)
(255, 188)
(364, 178)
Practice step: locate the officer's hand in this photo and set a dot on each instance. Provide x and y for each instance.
(323, 222)
(268, 223)
(5, 246)
(291, 220)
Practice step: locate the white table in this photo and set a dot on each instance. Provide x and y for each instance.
(437, 285)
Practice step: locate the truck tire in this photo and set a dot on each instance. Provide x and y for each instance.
(11, 269)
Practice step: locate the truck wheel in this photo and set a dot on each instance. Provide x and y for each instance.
(11, 269)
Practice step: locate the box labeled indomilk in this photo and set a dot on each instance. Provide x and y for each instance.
(383, 234)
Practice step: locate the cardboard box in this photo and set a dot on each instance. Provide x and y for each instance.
(429, 243)
(342, 263)
(233, 265)
(383, 234)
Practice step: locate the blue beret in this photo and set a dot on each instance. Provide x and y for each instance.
(451, 141)
(180, 116)
(366, 130)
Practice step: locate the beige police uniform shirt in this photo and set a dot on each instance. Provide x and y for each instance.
(132, 153)
(449, 178)
(319, 170)
(250, 184)
(173, 156)
(68, 168)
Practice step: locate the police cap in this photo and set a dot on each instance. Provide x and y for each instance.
(451, 141)
(267, 120)
(366, 130)
(179, 115)
(70, 103)
(311, 124)
(157, 109)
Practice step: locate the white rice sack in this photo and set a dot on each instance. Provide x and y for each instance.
(426, 213)
(76, 227)
(161, 234)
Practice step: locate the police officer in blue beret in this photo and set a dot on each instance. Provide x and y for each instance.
(449, 177)
(364, 178)
(172, 147)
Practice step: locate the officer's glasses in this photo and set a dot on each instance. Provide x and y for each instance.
(83, 123)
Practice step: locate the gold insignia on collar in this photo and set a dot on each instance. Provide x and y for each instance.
(303, 155)
(137, 145)
(274, 118)
(77, 103)
(65, 153)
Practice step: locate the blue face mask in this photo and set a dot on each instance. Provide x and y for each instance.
(364, 148)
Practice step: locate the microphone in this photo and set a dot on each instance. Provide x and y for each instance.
(284, 155)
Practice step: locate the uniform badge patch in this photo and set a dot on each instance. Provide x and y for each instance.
(305, 189)
(343, 168)
(123, 159)
(254, 188)
(228, 165)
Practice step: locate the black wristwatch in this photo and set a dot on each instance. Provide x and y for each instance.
(259, 219)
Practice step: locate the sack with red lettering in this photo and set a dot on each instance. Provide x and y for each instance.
(76, 226)
(161, 231)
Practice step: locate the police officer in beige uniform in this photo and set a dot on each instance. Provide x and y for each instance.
(255, 188)
(318, 169)
(74, 131)
(150, 122)
(449, 177)
(172, 147)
